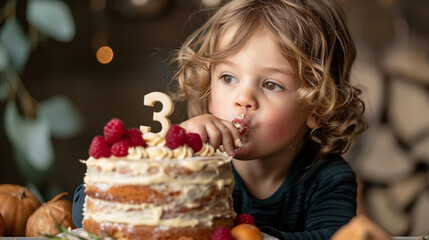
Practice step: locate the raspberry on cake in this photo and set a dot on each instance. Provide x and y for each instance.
(120, 147)
(169, 187)
(114, 130)
(136, 137)
(99, 147)
(175, 137)
(194, 141)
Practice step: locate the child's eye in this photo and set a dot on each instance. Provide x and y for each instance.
(228, 79)
(272, 86)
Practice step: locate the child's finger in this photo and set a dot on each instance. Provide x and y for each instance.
(227, 138)
(214, 134)
(235, 134)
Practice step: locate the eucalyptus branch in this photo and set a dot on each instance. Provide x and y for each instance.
(66, 233)
(8, 9)
(19, 91)
(34, 36)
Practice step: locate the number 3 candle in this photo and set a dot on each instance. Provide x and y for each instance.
(162, 116)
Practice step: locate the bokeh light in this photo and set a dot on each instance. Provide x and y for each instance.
(105, 54)
(97, 5)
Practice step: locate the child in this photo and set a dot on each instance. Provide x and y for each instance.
(279, 71)
(268, 81)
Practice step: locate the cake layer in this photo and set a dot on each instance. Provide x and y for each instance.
(169, 210)
(180, 193)
(142, 232)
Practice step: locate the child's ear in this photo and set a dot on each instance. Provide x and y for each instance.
(311, 121)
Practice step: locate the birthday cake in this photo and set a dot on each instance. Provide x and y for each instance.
(142, 185)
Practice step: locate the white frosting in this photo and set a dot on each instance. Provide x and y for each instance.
(148, 172)
(159, 153)
(183, 152)
(206, 151)
(136, 153)
(153, 139)
(190, 176)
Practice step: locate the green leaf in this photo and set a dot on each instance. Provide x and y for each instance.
(30, 137)
(26, 169)
(63, 117)
(16, 43)
(53, 18)
(4, 61)
(4, 87)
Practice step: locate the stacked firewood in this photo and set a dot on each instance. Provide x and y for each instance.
(391, 158)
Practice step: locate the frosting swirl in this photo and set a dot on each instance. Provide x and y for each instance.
(183, 152)
(137, 152)
(159, 152)
(206, 151)
(153, 139)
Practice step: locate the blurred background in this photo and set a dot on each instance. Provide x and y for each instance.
(68, 67)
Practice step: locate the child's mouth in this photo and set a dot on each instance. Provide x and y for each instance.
(241, 125)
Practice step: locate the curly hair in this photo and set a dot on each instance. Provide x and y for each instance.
(311, 35)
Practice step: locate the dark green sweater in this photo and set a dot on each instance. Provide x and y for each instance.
(310, 205)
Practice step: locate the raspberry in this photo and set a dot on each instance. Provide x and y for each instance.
(222, 233)
(99, 147)
(175, 137)
(244, 218)
(120, 147)
(136, 137)
(194, 141)
(114, 130)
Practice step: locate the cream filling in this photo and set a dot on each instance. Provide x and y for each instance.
(153, 215)
(146, 172)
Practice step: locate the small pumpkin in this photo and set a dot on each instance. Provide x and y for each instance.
(1, 225)
(45, 219)
(17, 203)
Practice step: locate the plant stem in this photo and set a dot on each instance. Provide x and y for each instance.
(8, 9)
(19, 90)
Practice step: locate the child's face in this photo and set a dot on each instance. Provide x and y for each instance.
(257, 84)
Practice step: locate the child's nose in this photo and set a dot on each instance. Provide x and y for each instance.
(246, 100)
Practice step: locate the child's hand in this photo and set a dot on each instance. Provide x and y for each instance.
(214, 131)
